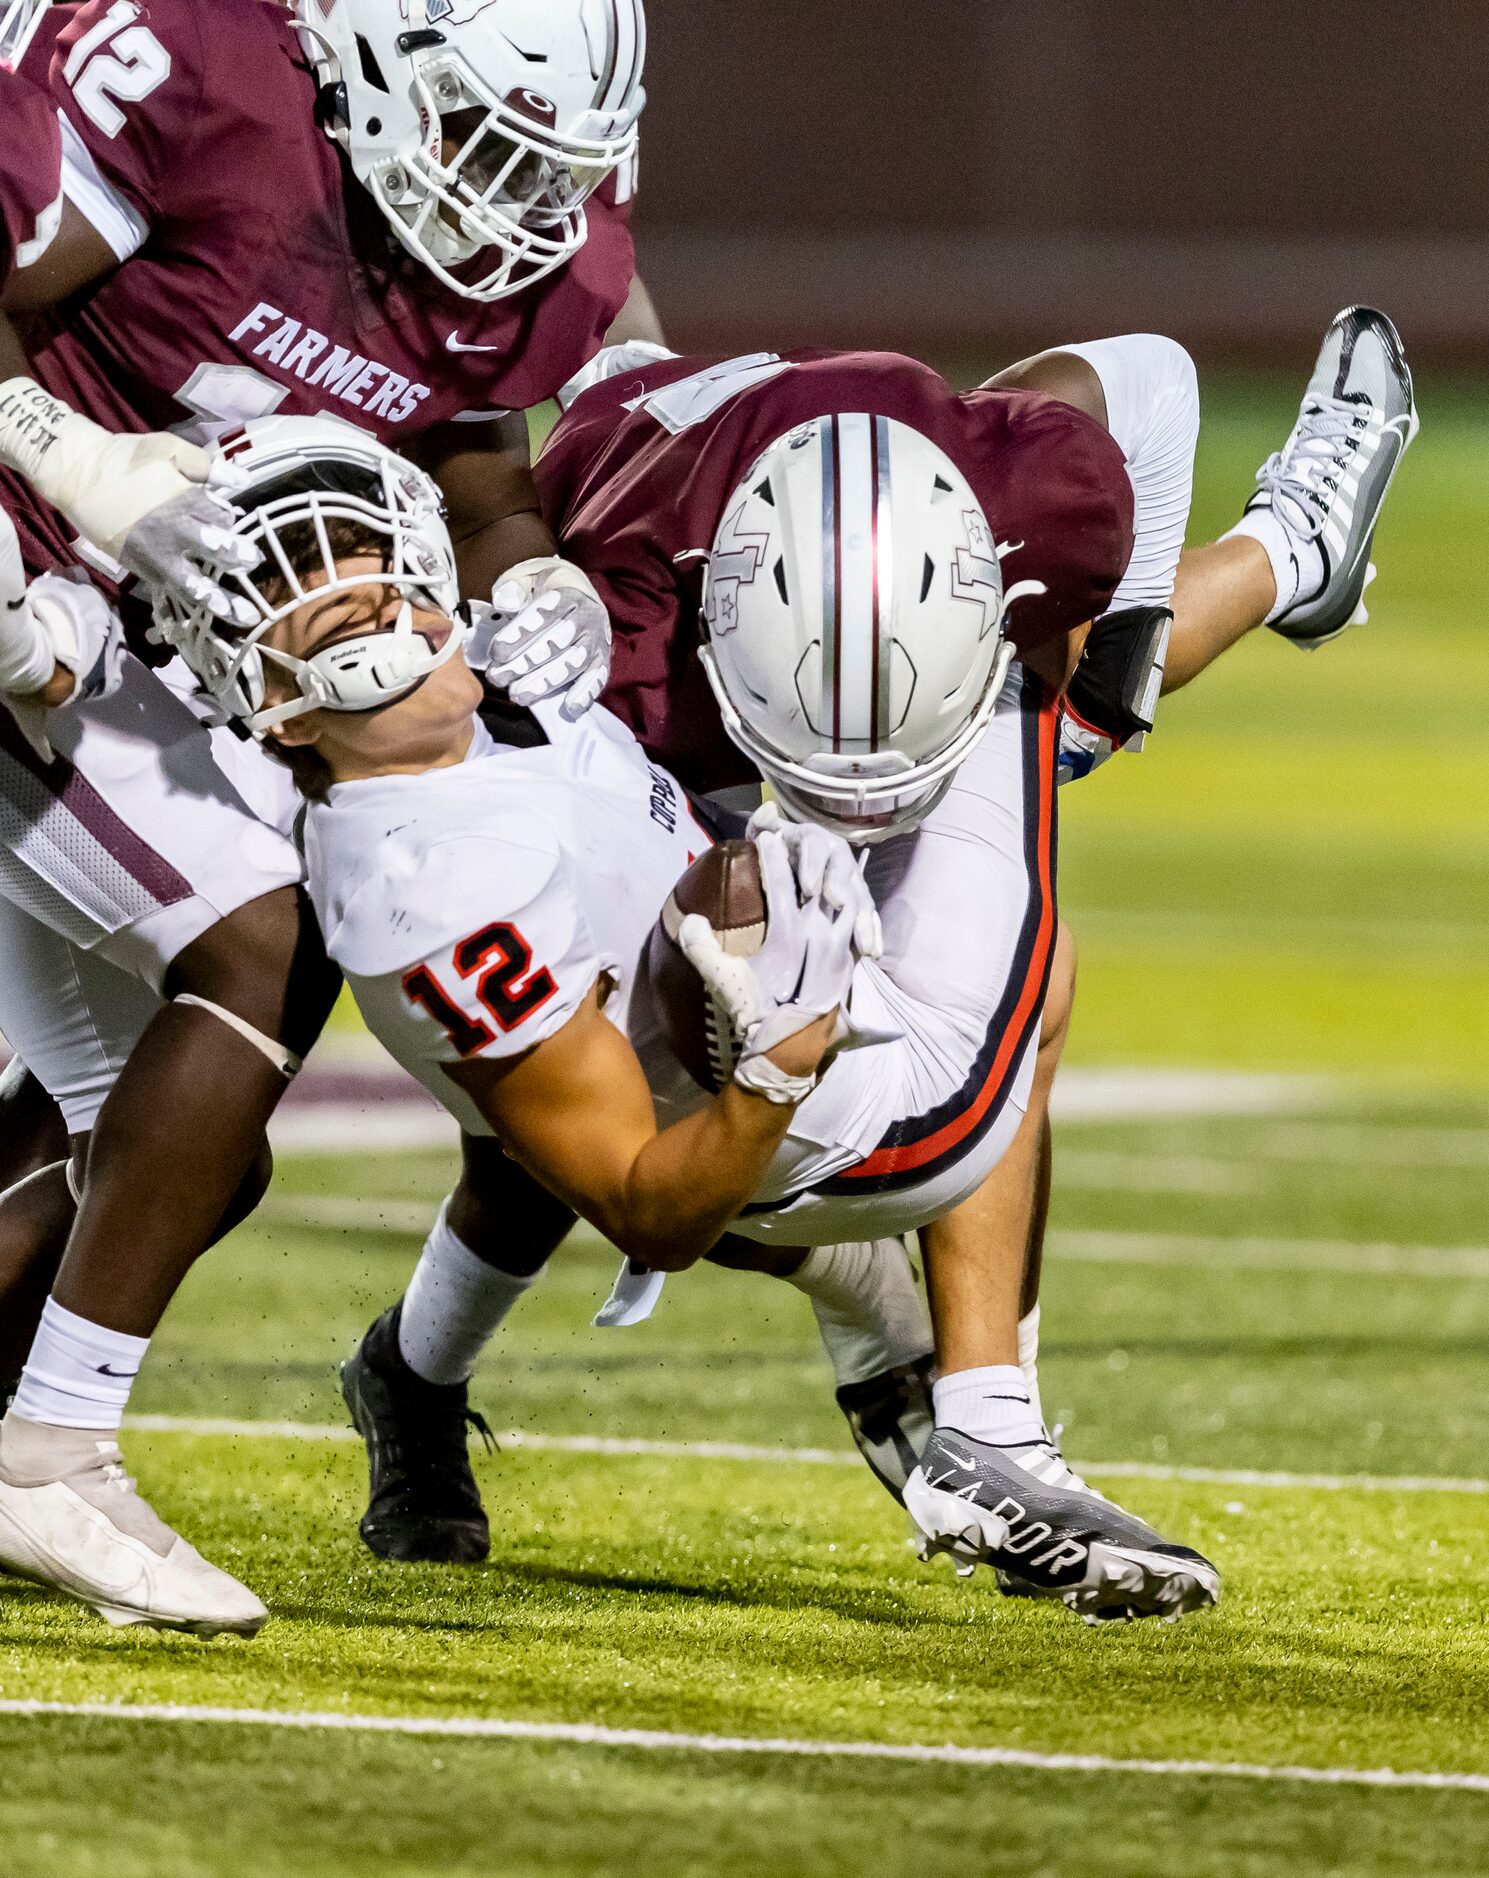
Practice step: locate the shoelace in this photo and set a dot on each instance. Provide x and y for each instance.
(1048, 1464)
(111, 1466)
(1307, 471)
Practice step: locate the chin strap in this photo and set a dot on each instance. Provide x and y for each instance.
(285, 1061)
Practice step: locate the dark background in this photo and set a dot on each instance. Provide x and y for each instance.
(958, 174)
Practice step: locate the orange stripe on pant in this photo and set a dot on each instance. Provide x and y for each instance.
(916, 1155)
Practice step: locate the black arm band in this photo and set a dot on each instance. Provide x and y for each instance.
(1116, 685)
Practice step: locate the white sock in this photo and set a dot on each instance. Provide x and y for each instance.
(1297, 563)
(990, 1404)
(1029, 1358)
(453, 1306)
(78, 1374)
(868, 1306)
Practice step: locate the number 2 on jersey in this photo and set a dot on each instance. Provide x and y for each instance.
(507, 987)
(134, 65)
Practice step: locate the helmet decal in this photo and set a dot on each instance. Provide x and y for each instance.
(736, 560)
(458, 12)
(977, 575)
(534, 105)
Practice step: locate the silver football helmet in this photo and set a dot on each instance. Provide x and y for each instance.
(481, 127)
(854, 622)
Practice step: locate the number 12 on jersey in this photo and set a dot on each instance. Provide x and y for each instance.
(508, 989)
(116, 60)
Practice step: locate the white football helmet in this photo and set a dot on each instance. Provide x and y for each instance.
(307, 474)
(481, 127)
(854, 623)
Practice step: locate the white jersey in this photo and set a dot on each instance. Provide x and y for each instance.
(473, 908)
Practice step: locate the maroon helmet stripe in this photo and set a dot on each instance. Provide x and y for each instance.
(879, 471)
(837, 587)
(612, 45)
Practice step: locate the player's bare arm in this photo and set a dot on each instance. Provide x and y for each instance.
(577, 1113)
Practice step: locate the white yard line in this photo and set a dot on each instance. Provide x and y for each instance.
(1364, 1144)
(1109, 1170)
(1282, 1255)
(660, 1741)
(807, 1457)
(339, 1213)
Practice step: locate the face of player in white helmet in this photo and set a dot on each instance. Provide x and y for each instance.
(356, 615)
(481, 127)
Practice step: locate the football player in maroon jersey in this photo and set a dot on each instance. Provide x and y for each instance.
(411, 216)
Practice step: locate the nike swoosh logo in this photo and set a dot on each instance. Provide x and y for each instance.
(121, 1375)
(456, 344)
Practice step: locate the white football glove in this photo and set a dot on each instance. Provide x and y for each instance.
(803, 971)
(826, 867)
(48, 623)
(143, 500)
(551, 636)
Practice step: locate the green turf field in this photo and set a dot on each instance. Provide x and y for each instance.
(1291, 879)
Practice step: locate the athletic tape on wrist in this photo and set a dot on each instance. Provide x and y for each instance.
(30, 422)
(285, 1061)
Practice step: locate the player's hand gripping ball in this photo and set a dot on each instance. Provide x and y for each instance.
(820, 896)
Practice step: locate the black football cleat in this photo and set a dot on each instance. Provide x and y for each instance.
(423, 1503)
(995, 1506)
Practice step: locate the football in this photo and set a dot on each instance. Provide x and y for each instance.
(724, 885)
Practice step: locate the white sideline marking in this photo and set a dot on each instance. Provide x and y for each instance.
(656, 1740)
(808, 1457)
(362, 1128)
(1084, 1094)
(403, 1116)
(1283, 1255)
(337, 1213)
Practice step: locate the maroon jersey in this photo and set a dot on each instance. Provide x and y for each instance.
(28, 202)
(637, 475)
(257, 275)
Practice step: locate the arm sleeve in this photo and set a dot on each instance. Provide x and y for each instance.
(30, 173)
(499, 955)
(1152, 407)
(130, 84)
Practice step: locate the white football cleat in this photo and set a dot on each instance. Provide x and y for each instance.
(1327, 483)
(92, 1537)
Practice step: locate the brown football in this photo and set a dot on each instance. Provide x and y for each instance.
(723, 885)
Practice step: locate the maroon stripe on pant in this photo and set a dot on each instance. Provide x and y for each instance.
(77, 797)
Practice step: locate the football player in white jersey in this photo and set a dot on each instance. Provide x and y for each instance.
(489, 901)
